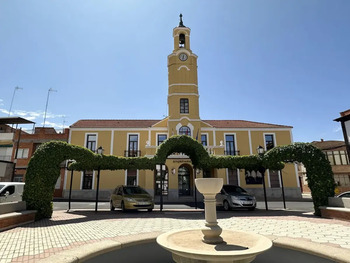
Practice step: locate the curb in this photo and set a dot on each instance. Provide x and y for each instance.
(85, 252)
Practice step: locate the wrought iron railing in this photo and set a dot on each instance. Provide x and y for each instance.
(132, 153)
(231, 152)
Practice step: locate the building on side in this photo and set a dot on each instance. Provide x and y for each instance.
(10, 136)
(28, 143)
(142, 137)
(337, 156)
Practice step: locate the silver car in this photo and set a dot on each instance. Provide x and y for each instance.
(232, 196)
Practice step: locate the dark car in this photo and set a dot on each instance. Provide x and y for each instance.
(129, 197)
(232, 196)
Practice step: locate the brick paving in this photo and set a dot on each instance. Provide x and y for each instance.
(44, 238)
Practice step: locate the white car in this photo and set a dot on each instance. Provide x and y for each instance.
(232, 196)
(345, 194)
(11, 192)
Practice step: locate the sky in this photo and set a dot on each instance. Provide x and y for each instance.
(282, 62)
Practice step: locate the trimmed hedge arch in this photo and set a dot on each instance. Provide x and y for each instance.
(44, 167)
(319, 171)
(184, 144)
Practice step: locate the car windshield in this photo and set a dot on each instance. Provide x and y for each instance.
(347, 194)
(134, 190)
(232, 189)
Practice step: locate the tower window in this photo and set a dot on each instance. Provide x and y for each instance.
(184, 130)
(182, 40)
(184, 108)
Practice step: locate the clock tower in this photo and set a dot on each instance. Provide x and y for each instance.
(183, 97)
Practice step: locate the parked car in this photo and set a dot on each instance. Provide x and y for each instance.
(232, 196)
(129, 197)
(345, 194)
(11, 192)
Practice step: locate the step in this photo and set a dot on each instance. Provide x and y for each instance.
(341, 213)
(13, 219)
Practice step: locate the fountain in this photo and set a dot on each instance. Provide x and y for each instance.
(211, 243)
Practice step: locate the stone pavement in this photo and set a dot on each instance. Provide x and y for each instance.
(67, 231)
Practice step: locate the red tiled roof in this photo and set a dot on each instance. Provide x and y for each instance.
(149, 123)
(242, 124)
(114, 123)
(330, 145)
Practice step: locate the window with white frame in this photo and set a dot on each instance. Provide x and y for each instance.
(133, 145)
(269, 141)
(91, 140)
(204, 140)
(161, 138)
(131, 177)
(87, 180)
(22, 153)
(184, 106)
(230, 147)
(184, 130)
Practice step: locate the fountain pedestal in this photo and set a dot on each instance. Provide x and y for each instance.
(212, 244)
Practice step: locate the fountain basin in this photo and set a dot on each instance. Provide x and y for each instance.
(187, 246)
(209, 186)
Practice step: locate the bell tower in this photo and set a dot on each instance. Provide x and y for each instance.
(183, 97)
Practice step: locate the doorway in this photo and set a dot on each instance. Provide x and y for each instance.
(184, 181)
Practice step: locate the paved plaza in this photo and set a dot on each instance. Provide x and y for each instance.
(80, 229)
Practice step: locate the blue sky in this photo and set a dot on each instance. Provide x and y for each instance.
(283, 62)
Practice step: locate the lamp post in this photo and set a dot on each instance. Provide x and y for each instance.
(47, 102)
(99, 152)
(71, 182)
(262, 169)
(161, 168)
(13, 96)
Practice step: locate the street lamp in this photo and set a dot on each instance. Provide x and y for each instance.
(71, 182)
(47, 102)
(99, 152)
(261, 152)
(13, 96)
(161, 168)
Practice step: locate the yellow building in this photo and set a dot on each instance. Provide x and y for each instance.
(142, 137)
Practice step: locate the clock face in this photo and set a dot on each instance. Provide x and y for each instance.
(183, 57)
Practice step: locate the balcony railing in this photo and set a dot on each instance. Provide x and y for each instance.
(5, 158)
(132, 153)
(231, 152)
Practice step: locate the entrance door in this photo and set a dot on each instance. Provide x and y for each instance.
(184, 181)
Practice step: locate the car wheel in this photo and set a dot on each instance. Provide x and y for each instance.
(123, 207)
(149, 209)
(111, 206)
(226, 206)
(251, 208)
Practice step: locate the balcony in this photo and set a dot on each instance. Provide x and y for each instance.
(231, 152)
(132, 153)
(5, 158)
(6, 136)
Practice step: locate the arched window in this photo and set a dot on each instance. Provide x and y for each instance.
(184, 130)
(182, 41)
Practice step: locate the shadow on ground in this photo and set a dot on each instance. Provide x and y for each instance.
(79, 216)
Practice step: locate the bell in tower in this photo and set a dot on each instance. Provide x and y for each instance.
(182, 41)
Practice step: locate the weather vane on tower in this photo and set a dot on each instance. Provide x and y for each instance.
(181, 24)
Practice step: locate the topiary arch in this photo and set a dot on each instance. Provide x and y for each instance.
(44, 167)
(319, 171)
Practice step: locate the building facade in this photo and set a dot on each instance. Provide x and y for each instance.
(133, 138)
(28, 143)
(337, 156)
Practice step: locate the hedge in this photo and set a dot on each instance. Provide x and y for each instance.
(44, 167)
